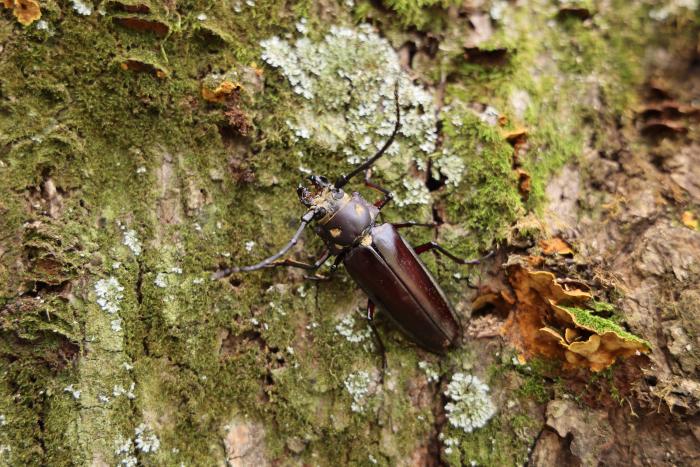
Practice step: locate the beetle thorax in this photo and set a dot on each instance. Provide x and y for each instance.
(348, 220)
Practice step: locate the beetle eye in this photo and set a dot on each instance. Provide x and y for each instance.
(320, 213)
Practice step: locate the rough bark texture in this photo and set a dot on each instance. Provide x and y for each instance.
(129, 173)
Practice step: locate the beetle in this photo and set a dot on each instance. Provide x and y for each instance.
(375, 255)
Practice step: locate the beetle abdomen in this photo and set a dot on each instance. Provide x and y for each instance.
(394, 278)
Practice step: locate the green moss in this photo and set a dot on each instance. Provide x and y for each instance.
(486, 201)
(585, 319)
(505, 439)
(130, 151)
(423, 15)
(539, 376)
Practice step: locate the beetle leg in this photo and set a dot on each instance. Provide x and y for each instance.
(371, 309)
(414, 224)
(334, 267)
(434, 246)
(298, 264)
(388, 195)
(377, 337)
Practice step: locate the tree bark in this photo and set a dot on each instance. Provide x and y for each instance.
(145, 145)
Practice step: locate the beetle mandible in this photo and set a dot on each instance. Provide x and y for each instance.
(380, 260)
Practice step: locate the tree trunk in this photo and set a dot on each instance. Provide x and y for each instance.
(146, 145)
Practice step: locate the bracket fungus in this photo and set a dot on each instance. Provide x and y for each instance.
(144, 63)
(26, 11)
(559, 321)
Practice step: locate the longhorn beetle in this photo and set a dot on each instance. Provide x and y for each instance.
(382, 263)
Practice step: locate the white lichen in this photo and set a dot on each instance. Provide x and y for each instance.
(3, 420)
(415, 193)
(451, 166)
(161, 280)
(498, 7)
(132, 242)
(346, 328)
(490, 116)
(672, 8)
(249, 245)
(430, 372)
(470, 406)
(116, 325)
(301, 26)
(358, 386)
(74, 392)
(125, 453)
(119, 390)
(81, 7)
(347, 81)
(146, 441)
(109, 294)
(449, 443)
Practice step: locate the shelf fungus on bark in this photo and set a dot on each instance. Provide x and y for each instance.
(552, 319)
(144, 63)
(26, 11)
(592, 341)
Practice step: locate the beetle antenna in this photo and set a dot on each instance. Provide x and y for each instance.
(343, 179)
(268, 262)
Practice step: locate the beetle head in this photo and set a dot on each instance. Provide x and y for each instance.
(321, 196)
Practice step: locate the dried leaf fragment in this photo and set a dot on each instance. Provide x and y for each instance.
(221, 93)
(689, 220)
(26, 11)
(235, 83)
(554, 246)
